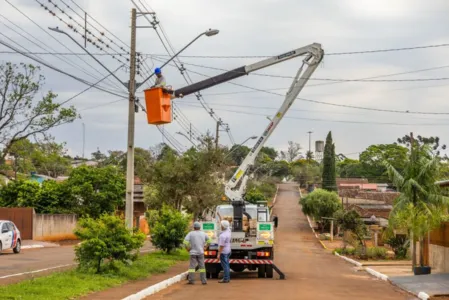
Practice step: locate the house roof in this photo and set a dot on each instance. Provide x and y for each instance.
(363, 186)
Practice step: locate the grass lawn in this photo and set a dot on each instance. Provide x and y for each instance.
(74, 283)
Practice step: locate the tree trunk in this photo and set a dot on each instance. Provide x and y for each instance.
(412, 239)
(421, 252)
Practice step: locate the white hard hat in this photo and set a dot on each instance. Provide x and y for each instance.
(225, 224)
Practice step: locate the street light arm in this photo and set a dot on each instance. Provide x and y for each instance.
(109, 71)
(207, 33)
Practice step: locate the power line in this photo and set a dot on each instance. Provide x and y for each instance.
(267, 56)
(59, 70)
(57, 40)
(334, 104)
(332, 121)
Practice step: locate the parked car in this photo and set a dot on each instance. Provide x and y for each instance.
(10, 237)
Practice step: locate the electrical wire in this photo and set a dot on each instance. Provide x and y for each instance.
(57, 40)
(59, 70)
(332, 121)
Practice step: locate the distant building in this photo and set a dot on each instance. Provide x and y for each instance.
(77, 163)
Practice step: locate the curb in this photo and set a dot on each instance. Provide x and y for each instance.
(423, 296)
(33, 246)
(157, 287)
(377, 274)
(354, 262)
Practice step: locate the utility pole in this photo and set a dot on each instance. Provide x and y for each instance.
(84, 137)
(129, 211)
(217, 132)
(310, 142)
(190, 132)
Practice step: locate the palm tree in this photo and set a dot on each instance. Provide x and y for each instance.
(420, 206)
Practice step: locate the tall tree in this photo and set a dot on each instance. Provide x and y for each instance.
(372, 160)
(433, 142)
(21, 114)
(270, 152)
(420, 205)
(329, 181)
(293, 152)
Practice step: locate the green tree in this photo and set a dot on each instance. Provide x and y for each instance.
(349, 220)
(320, 203)
(21, 114)
(433, 142)
(55, 198)
(238, 153)
(329, 181)
(420, 206)
(168, 228)
(104, 242)
(19, 193)
(350, 168)
(97, 190)
(270, 152)
(372, 160)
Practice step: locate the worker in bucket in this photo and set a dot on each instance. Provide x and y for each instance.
(160, 80)
(224, 250)
(196, 242)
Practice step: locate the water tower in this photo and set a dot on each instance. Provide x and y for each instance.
(319, 149)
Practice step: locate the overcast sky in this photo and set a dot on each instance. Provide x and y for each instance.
(255, 28)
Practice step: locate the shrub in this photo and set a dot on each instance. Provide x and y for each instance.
(400, 245)
(104, 241)
(168, 228)
(351, 221)
(320, 203)
(254, 195)
(345, 251)
(376, 253)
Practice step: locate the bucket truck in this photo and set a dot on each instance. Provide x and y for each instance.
(252, 237)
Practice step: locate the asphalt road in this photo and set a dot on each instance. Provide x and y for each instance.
(37, 262)
(312, 272)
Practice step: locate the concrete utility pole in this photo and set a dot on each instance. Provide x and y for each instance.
(310, 142)
(217, 132)
(84, 138)
(129, 211)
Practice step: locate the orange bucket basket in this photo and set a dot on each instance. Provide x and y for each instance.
(158, 106)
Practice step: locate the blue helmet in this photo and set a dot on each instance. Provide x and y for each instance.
(157, 71)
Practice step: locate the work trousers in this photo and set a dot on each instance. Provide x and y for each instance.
(197, 260)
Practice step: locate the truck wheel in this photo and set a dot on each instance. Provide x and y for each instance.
(215, 274)
(269, 271)
(261, 271)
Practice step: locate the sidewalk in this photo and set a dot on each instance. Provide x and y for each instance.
(31, 244)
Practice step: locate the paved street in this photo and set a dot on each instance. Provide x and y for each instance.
(311, 272)
(16, 267)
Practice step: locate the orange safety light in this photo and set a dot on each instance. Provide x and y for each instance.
(158, 106)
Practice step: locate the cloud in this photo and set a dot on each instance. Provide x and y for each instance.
(257, 28)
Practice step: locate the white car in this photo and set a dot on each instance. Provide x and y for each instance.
(10, 237)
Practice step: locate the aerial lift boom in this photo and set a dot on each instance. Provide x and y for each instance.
(313, 56)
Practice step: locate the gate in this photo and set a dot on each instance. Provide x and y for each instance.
(22, 217)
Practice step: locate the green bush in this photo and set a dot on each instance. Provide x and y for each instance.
(319, 204)
(168, 228)
(105, 241)
(376, 253)
(345, 251)
(400, 245)
(254, 195)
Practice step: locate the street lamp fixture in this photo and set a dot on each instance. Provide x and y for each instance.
(210, 32)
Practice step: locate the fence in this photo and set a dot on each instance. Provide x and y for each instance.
(54, 227)
(22, 217)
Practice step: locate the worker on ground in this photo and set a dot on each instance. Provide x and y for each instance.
(160, 80)
(275, 220)
(224, 251)
(196, 242)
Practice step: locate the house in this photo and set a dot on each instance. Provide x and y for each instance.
(359, 186)
(76, 163)
(436, 248)
(40, 178)
(373, 213)
(382, 187)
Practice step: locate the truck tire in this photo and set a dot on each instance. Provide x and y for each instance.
(215, 274)
(261, 271)
(269, 271)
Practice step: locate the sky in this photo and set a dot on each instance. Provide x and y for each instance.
(248, 29)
